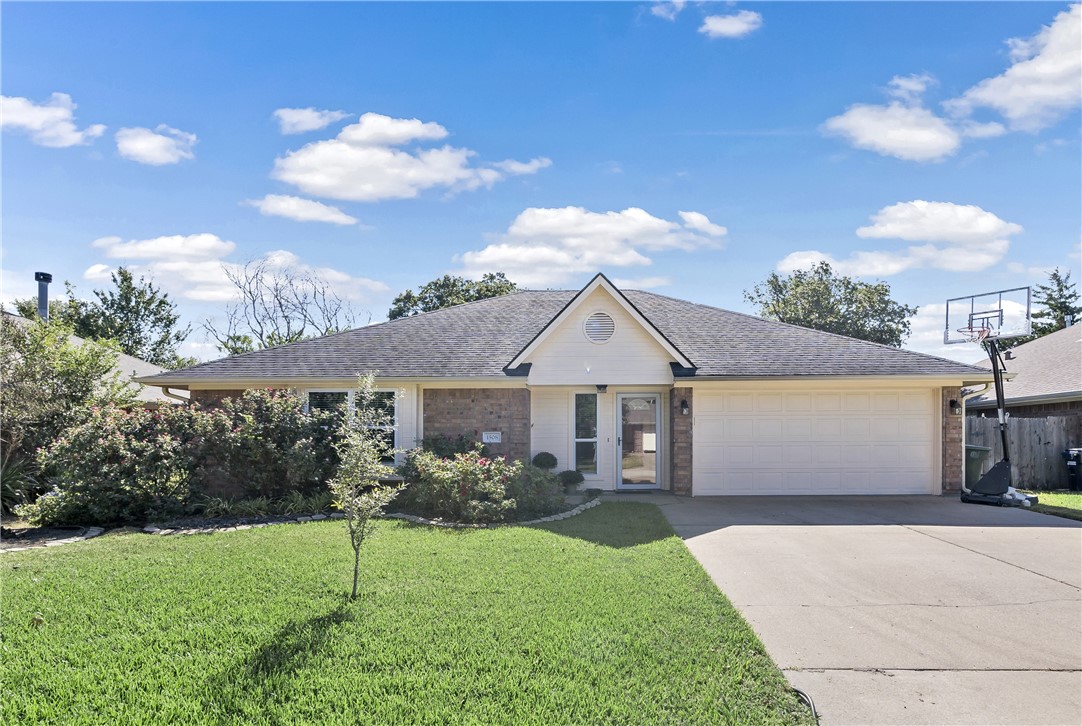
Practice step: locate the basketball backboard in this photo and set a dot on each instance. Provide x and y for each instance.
(1000, 314)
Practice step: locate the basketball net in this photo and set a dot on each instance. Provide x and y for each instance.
(975, 335)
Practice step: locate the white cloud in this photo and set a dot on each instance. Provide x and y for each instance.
(668, 9)
(362, 163)
(194, 267)
(98, 272)
(975, 130)
(910, 88)
(736, 25)
(926, 336)
(163, 145)
(1043, 83)
(549, 246)
(909, 132)
(956, 237)
(51, 123)
(299, 120)
(640, 283)
(301, 210)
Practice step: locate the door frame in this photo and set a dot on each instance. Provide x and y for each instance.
(618, 435)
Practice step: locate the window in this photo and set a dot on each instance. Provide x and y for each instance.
(586, 433)
(385, 401)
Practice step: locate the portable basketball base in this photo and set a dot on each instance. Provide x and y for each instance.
(986, 323)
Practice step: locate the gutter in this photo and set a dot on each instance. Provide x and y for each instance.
(169, 394)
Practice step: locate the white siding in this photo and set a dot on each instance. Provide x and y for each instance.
(631, 357)
(815, 441)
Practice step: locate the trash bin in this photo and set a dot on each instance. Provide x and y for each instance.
(975, 456)
(1074, 469)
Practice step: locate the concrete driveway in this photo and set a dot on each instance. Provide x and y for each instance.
(903, 610)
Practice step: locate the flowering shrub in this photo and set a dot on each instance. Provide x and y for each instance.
(472, 487)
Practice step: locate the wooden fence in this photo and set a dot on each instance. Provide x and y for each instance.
(1036, 447)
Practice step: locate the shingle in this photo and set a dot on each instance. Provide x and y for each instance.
(480, 338)
(1048, 366)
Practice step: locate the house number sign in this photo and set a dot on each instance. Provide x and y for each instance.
(491, 437)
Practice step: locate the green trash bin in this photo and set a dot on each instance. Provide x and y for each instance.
(975, 456)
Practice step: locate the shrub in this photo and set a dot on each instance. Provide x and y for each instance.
(537, 493)
(446, 447)
(117, 466)
(570, 479)
(544, 460)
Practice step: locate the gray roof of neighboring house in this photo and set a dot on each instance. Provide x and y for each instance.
(480, 338)
(1049, 367)
(128, 366)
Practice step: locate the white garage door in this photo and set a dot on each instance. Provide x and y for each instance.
(819, 442)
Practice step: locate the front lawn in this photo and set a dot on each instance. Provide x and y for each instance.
(604, 618)
(1061, 504)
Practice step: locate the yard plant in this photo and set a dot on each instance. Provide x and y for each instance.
(603, 618)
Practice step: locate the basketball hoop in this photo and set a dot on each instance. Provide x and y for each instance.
(975, 334)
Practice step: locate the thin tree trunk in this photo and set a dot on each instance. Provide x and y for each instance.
(356, 569)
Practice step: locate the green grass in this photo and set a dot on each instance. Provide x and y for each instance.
(604, 618)
(1061, 504)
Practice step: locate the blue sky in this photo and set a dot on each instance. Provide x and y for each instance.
(690, 149)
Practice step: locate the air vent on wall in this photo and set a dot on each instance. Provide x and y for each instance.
(599, 327)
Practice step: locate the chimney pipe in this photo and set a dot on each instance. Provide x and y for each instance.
(43, 279)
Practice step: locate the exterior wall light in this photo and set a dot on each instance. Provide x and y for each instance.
(684, 408)
(956, 407)
(602, 388)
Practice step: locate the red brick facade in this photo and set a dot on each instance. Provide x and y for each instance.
(471, 411)
(952, 448)
(680, 449)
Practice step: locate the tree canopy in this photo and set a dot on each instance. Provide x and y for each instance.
(137, 315)
(1058, 301)
(447, 291)
(821, 299)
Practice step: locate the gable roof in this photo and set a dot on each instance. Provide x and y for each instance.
(1044, 370)
(479, 340)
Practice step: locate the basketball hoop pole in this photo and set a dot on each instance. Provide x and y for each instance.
(997, 376)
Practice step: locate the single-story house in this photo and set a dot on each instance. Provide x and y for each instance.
(638, 391)
(1046, 377)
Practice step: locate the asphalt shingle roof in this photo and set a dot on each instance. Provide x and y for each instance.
(480, 338)
(1048, 366)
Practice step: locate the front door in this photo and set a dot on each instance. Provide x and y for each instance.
(637, 440)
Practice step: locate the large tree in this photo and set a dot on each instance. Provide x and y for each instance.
(449, 290)
(821, 299)
(137, 315)
(1058, 300)
(278, 305)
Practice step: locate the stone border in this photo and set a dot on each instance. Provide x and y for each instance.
(90, 533)
(166, 531)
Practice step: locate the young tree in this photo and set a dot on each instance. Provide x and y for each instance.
(358, 486)
(820, 299)
(448, 290)
(278, 305)
(137, 315)
(1058, 300)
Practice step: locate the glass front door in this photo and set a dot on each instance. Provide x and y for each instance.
(638, 439)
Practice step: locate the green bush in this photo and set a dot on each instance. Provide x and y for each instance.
(570, 479)
(544, 460)
(446, 447)
(537, 493)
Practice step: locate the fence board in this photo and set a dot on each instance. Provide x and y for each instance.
(1036, 446)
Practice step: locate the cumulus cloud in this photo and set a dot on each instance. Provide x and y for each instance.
(926, 336)
(363, 163)
(301, 210)
(1043, 83)
(955, 237)
(640, 283)
(194, 266)
(163, 145)
(549, 246)
(668, 9)
(51, 123)
(300, 120)
(736, 25)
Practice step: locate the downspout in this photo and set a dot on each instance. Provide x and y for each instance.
(169, 394)
(965, 459)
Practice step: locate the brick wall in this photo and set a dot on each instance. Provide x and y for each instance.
(213, 397)
(456, 411)
(680, 452)
(953, 453)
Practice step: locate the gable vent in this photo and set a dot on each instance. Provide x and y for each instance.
(599, 327)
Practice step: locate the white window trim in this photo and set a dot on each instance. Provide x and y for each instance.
(351, 397)
(573, 459)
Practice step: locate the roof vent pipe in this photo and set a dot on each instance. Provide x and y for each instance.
(43, 279)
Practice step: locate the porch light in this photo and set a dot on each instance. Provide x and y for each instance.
(684, 410)
(601, 388)
(956, 407)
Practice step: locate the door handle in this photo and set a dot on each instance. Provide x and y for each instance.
(619, 441)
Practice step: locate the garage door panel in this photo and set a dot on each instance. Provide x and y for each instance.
(822, 442)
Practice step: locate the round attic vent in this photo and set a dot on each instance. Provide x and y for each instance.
(599, 327)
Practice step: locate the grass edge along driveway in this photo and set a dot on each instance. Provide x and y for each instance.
(601, 618)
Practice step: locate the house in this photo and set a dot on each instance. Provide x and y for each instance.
(129, 368)
(640, 391)
(1046, 377)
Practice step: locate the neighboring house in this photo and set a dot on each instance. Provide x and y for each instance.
(1046, 377)
(129, 367)
(640, 391)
